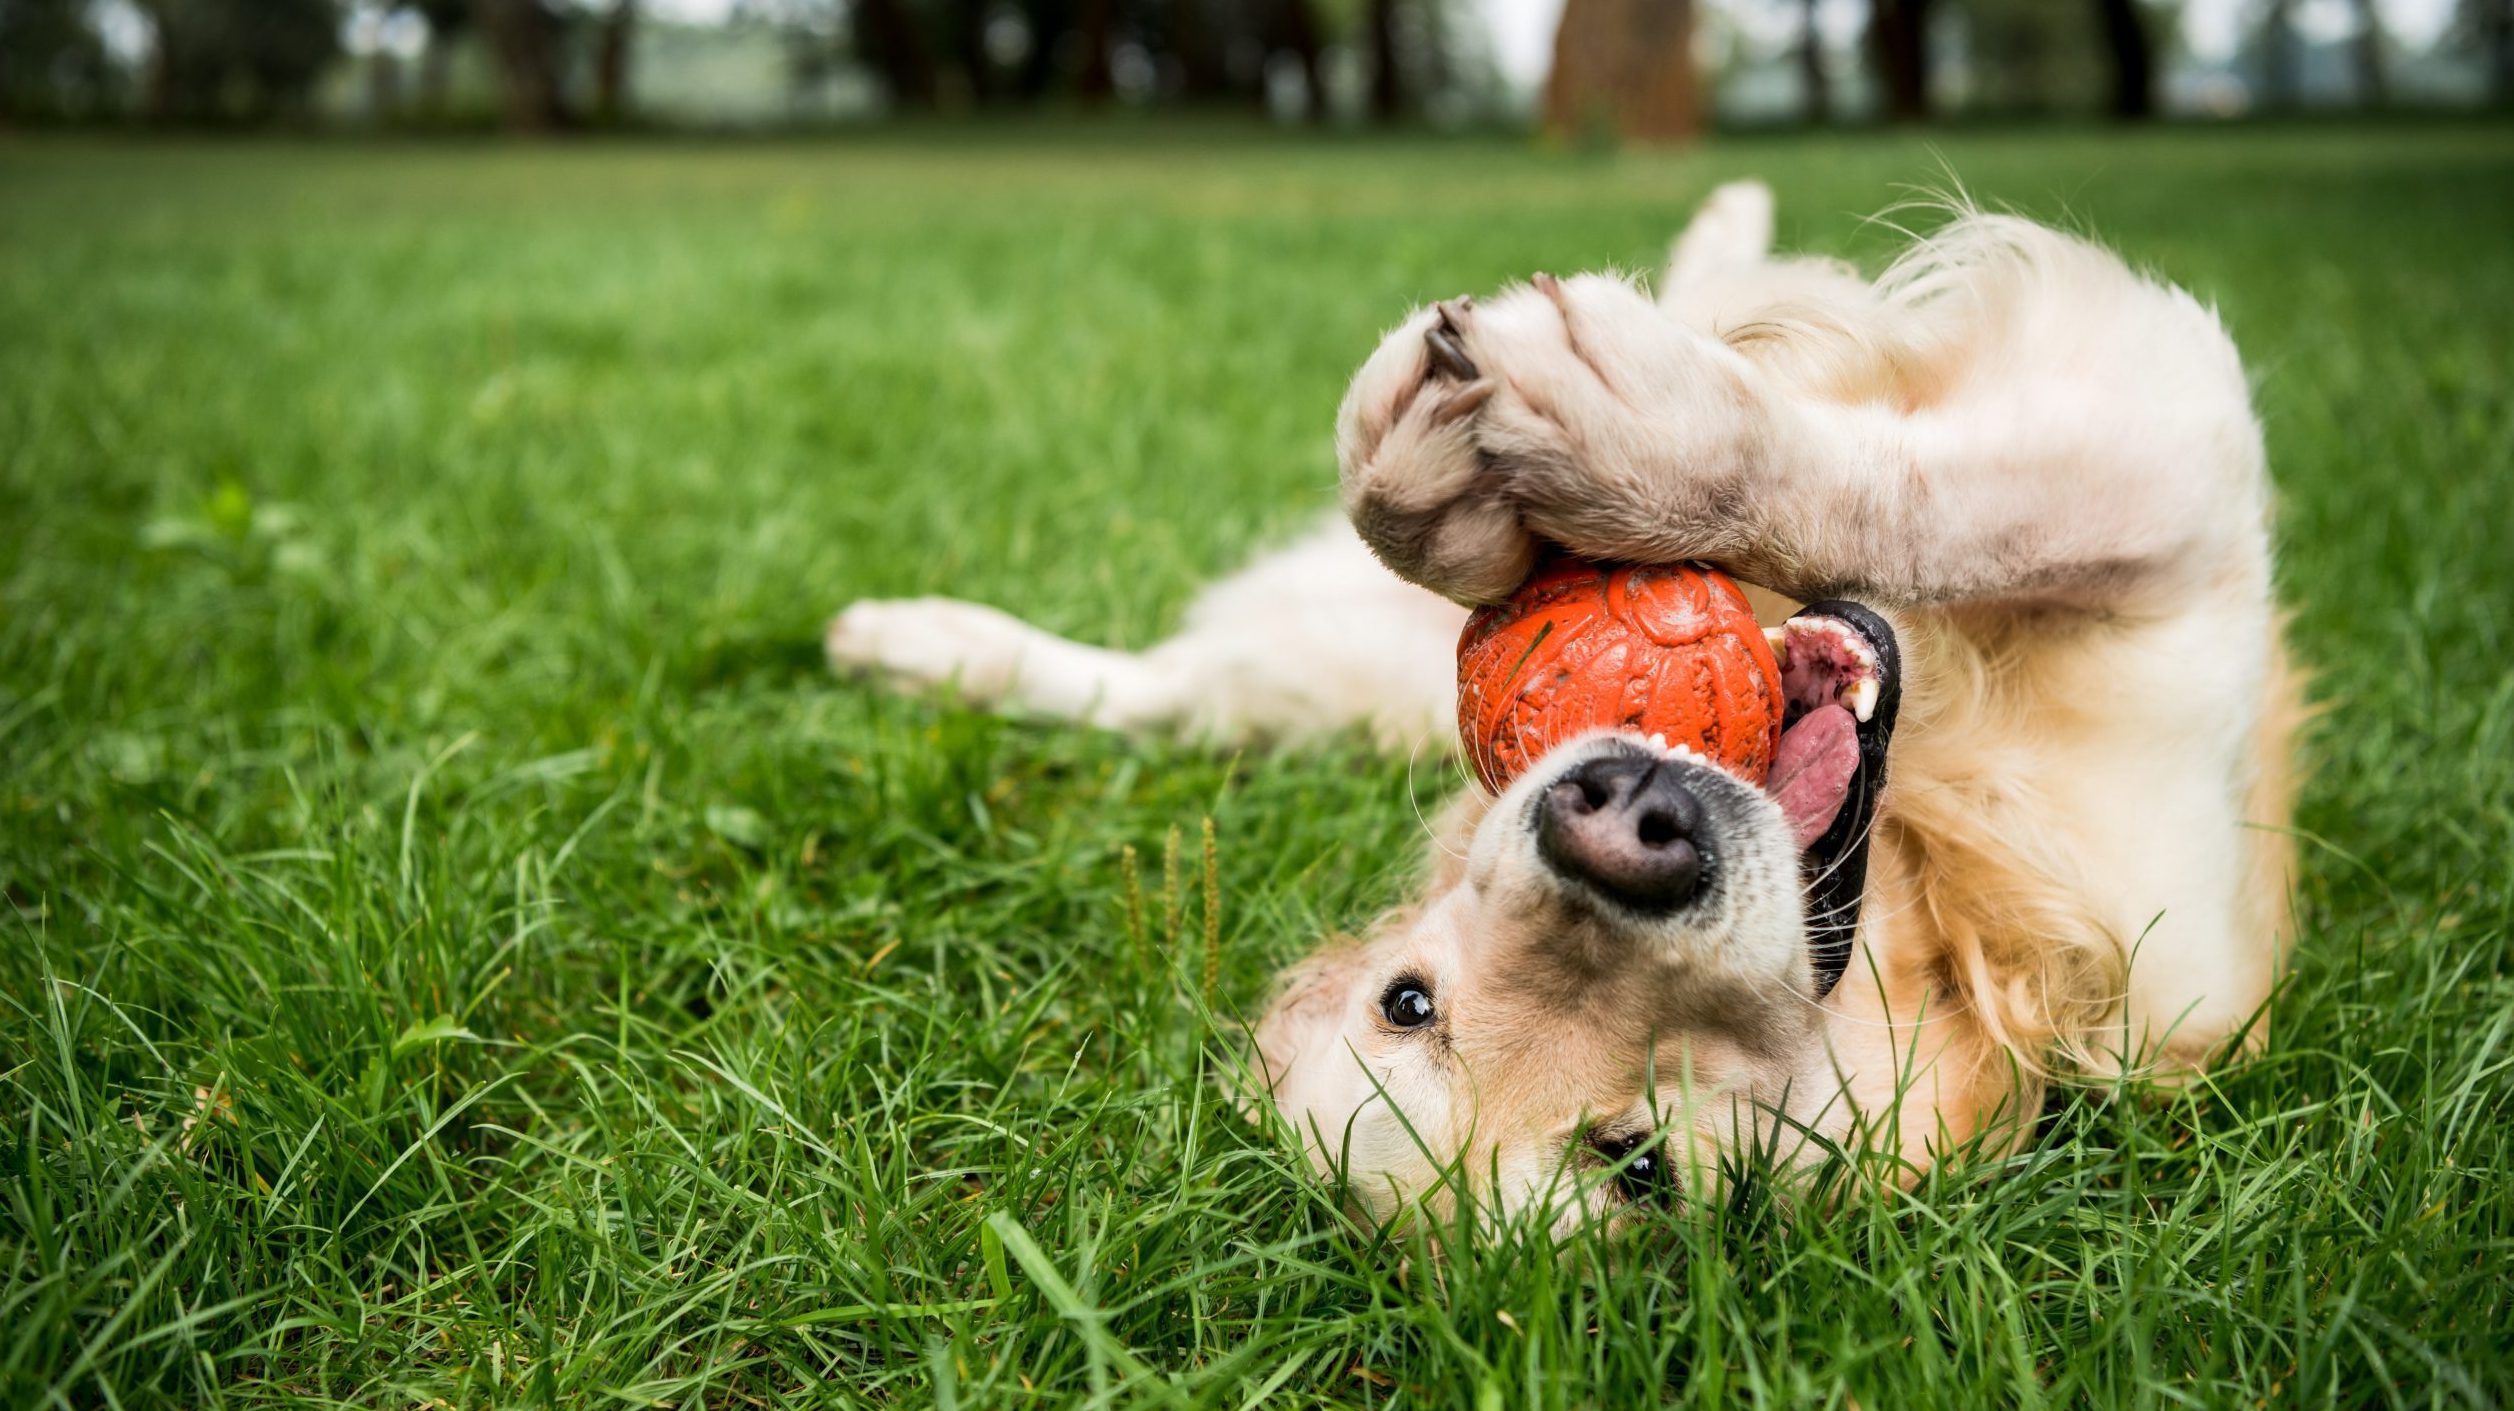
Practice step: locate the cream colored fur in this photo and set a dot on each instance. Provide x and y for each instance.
(2043, 468)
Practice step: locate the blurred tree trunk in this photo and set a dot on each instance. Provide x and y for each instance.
(887, 36)
(1811, 75)
(524, 40)
(2496, 23)
(1292, 29)
(223, 60)
(1430, 71)
(2277, 42)
(1626, 65)
(2373, 88)
(2133, 56)
(158, 93)
(1898, 34)
(1203, 71)
(1097, 82)
(447, 19)
(384, 86)
(1387, 93)
(42, 44)
(611, 63)
(1048, 20)
(164, 94)
(436, 78)
(968, 43)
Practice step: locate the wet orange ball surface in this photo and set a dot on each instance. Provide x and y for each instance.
(1670, 650)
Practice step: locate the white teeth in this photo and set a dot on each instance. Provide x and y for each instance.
(1658, 742)
(1862, 698)
(1778, 637)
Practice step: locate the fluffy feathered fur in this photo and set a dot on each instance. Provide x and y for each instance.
(2042, 467)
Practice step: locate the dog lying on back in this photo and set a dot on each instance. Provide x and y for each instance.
(2024, 489)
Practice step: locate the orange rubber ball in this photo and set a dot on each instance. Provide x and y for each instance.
(1667, 651)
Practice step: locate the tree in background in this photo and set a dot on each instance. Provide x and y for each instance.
(52, 62)
(1622, 67)
(1898, 36)
(612, 45)
(1408, 46)
(448, 22)
(2133, 58)
(225, 60)
(1625, 67)
(1290, 33)
(2488, 26)
(2037, 57)
(1387, 86)
(1814, 82)
(524, 46)
(1096, 32)
(888, 38)
(1197, 32)
(2281, 60)
(942, 54)
(384, 84)
(528, 44)
(2022, 56)
(2374, 89)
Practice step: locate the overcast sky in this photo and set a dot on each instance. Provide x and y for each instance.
(1523, 30)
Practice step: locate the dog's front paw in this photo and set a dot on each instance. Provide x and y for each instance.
(929, 642)
(1573, 411)
(1416, 482)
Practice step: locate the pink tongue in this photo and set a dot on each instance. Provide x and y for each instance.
(1811, 772)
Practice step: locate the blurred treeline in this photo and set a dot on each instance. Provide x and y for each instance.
(1633, 69)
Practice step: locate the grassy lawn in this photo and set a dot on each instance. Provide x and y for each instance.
(462, 950)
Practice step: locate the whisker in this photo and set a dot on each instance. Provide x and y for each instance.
(1414, 802)
(1837, 1017)
(1867, 831)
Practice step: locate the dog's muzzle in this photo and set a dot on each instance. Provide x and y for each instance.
(1626, 825)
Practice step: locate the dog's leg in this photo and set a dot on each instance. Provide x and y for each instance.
(995, 659)
(1731, 231)
(1722, 276)
(1309, 639)
(2044, 425)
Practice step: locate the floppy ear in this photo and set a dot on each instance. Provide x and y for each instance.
(1309, 1003)
(1311, 998)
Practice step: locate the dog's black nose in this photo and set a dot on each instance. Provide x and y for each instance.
(1626, 825)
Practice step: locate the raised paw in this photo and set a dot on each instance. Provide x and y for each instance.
(1414, 477)
(1571, 411)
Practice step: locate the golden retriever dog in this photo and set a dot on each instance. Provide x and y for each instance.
(2004, 512)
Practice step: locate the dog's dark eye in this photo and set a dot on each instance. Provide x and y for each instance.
(1641, 1163)
(1408, 1004)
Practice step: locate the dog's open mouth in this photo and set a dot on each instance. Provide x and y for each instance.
(1841, 686)
(1831, 684)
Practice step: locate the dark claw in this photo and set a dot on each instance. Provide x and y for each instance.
(1442, 342)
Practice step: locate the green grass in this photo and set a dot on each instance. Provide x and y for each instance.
(461, 950)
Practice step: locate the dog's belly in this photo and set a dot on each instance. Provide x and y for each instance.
(2141, 747)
